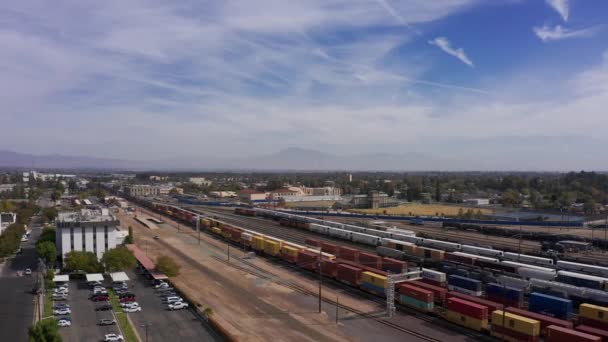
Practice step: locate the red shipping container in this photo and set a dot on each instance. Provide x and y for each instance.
(236, 235)
(348, 274)
(394, 266)
(370, 260)
(502, 300)
(361, 266)
(492, 306)
(593, 323)
(505, 333)
(348, 253)
(560, 334)
(416, 293)
(329, 268)
(544, 320)
(439, 293)
(314, 243)
(467, 308)
(329, 248)
(308, 260)
(593, 331)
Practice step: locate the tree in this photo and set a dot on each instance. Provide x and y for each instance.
(48, 234)
(129, 238)
(48, 278)
(6, 206)
(45, 330)
(56, 195)
(437, 192)
(511, 198)
(118, 259)
(82, 261)
(47, 251)
(49, 214)
(167, 265)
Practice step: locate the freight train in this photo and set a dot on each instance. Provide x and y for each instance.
(459, 297)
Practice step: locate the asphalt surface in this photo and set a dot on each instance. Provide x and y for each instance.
(84, 317)
(164, 325)
(16, 300)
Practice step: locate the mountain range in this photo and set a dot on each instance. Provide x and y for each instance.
(293, 158)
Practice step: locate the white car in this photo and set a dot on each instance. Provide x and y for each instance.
(132, 309)
(178, 306)
(170, 300)
(100, 291)
(113, 337)
(24, 239)
(27, 271)
(64, 323)
(64, 311)
(129, 304)
(162, 285)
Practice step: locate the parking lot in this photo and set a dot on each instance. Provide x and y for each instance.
(84, 317)
(164, 325)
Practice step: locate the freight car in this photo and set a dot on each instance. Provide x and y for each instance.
(447, 246)
(482, 251)
(573, 266)
(529, 259)
(582, 280)
(365, 239)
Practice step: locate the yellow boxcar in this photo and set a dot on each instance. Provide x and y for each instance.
(205, 223)
(466, 321)
(216, 230)
(289, 250)
(257, 242)
(521, 324)
(374, 279)
(596, 312)
(272, 247)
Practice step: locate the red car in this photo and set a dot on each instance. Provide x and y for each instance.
(127, 299)
(100, 298)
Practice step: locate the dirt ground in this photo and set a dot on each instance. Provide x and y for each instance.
(422, 210)
(256, 309)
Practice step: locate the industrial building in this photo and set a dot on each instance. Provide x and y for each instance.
(7, 187)
(91, 230)
(251, 195)
(375, 200)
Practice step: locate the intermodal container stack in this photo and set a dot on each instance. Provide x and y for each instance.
(236, 235)
(348, 274)
(257, 243)
(593, 331)
(492, 306)
(373, 282)
(329, 268)
(467, 314)
(549, 305)
(216, 230)
(416, 297)
(272, 247)
(593, 315)
(289, 253)
(464, 285)
(514, 328)
(504, 294)
(439, 293)
(347, 253)
(433, 277)
(312, 242)
(559, 334)
(393, 265)
(246, 239)
(308, 260)
(329, 248)
(370, 260)
(544, 320)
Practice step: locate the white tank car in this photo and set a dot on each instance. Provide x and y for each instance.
(448, 246)
(517, 283)
(340, 233)
(365, 239)
(481, 251)
(574, 266)
(529, 259)
(596, 295)
(530, 271)
(390, 252)
(557, 286)
(317, 228)
(354, 228)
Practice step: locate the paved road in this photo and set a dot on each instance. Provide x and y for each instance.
(16, 301)
(84, 317)
(164, 325)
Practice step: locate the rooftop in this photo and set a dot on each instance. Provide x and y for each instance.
(86, 215)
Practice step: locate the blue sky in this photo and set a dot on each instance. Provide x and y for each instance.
(496, 84)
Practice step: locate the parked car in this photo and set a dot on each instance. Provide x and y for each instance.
(59, 297)
(64, 323)
(27, 271)
(128, 304)
(105, 307)
(127, 294)
(61, 306)
(64, 311)
(168, 294)
(127, 299)
(161, 285)
(133, 309)
(100, 298)
(107, 321)
(95, 283)
(100, 291)
(113, 337)
(178, 306)
(170, 300)
(165, 289)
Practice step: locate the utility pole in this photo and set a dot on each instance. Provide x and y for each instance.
(320, 277)
(337, 306)
(146, 325)
(228, 252)
(198, 228)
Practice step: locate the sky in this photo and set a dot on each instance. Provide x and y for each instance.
(496, 84)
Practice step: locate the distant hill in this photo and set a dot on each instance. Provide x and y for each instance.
(56, 161)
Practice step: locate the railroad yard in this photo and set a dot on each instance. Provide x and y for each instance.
(261, 297)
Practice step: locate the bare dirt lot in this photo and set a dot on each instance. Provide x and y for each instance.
(260, 309)
(423, 210)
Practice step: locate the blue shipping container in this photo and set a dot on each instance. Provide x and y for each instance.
(373, 288)
(509, 293)
(465, 283)
(550, 305)
(415, 303)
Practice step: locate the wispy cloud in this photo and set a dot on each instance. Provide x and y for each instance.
(444, 44)
(548, 33)
(560, 6)
(393, 12)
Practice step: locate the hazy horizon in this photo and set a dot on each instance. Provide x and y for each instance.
(500, 85)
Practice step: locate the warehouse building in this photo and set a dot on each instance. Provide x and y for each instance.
(91, 230)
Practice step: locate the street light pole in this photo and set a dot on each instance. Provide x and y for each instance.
(146, 325)
(320, 277)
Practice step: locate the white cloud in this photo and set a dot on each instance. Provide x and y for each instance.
(444, 44)
(547, 33)
(560, 6)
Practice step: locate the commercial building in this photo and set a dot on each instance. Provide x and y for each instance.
(200, 181)
(90, 230)
(251, 195)
(477, 201)
(158, 178)
(222, 194)
(279, 194)
(375, 200)
(6, 219)
(142, 190)
(7, 187)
